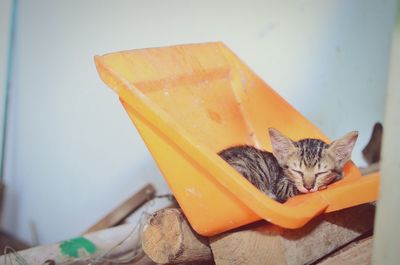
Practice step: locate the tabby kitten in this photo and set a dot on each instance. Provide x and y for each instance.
(304, 166)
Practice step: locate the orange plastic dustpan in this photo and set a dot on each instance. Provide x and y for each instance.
(191, 101)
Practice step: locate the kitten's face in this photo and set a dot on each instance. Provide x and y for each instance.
(312, 164)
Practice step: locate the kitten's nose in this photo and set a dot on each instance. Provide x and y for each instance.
(308, 187)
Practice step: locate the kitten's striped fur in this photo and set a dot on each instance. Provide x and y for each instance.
(304, 166)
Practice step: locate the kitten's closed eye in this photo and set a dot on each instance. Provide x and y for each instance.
(322, 173)
(298, 172)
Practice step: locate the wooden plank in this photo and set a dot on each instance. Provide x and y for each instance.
(386, 234)
(268, 244)
(126, 208)
(358, 253)
(88, 247)
(10, 241)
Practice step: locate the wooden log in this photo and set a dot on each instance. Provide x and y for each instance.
(256, 244)
(357, 253)
(268, 244)
(117, 216)
(169, 239)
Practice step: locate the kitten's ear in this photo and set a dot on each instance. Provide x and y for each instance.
(341, 149)
(282, 147)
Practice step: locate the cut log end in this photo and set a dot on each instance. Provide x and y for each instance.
(168, 239)
(163, 233)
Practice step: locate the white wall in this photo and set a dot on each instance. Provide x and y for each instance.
(73, 153)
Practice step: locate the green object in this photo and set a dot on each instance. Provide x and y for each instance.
(71, 247)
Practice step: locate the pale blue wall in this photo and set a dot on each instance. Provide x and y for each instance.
(73, 153)
(6, 11)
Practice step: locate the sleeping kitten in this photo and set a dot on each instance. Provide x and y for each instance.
(304, 166)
